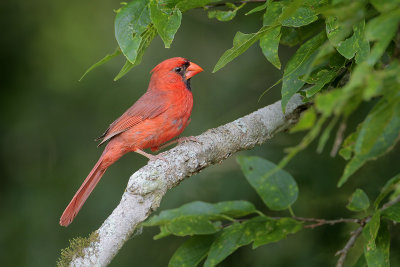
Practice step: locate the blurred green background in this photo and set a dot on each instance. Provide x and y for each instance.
(49, 121)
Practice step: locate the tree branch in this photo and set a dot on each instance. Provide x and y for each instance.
(320, 222)
(355, 234)
(338, 139)
(350, 243)
(147, 186)
(390, 203)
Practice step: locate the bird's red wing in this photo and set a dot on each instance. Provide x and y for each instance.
(149, 106)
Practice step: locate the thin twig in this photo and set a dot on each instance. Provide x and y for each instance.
(320, 222)
(343, 252)
(355, 234)
(317, 222)
(338, 138)
(390, 203)
(350, 243)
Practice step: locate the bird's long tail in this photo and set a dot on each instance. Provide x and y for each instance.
(87, 187)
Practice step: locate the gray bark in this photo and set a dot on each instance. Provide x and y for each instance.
(148, 185)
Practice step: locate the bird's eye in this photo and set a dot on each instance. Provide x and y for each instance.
(178, 69)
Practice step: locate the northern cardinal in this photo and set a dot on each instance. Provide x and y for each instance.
(161, 114)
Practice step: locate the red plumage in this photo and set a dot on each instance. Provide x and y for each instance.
(161, 114)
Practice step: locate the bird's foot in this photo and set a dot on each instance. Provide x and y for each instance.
(179, 140)
(150, 156)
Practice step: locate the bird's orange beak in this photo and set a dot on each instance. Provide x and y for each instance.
(192, 70)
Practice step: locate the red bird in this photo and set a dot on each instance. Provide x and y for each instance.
(161, 114)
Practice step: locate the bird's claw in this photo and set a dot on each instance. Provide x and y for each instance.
(156, 157)
(150, 156)
(179, 140)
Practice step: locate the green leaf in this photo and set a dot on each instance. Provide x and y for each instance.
(353, 101)
(269, 44)
(105, 59)
(378, 256)
(199, 208)
(231, 238)
(378, 134)
(385, 5)
(315, 3)
(222, 15)
(192, 252)
(379, 26)
(322, 58)
(124, 70)
(348, 145)
(299, 65)
(147, 36)
(357, 78)
(378, 81)
(196, 208)
(327, 102)
(392, 213)
(166, 21)
(271, 16)
(294, 36)
(163, 233)
(356, 44)
(185, 5)
(301, 17)
(396, 192)
(336, 31)
(336, 2)
(131, 23)
(235, 209)
(358, 201)
(261, 229)
(370, 231)
(258, 8)
(340, 19)
(326, 134)
(390, 185)
(290, 36)
(241, 42)
(288, 9)
(275, 230)
(345, 100)
(373, 88)
(337, 61)
(361, 262)
(225, 15)
(381, 29)
(321, 78)
(192, 225)
(278, 190)
(306, 122)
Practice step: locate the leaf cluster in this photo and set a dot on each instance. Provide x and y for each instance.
(217, 230)
(139, 21)
(348, 59)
